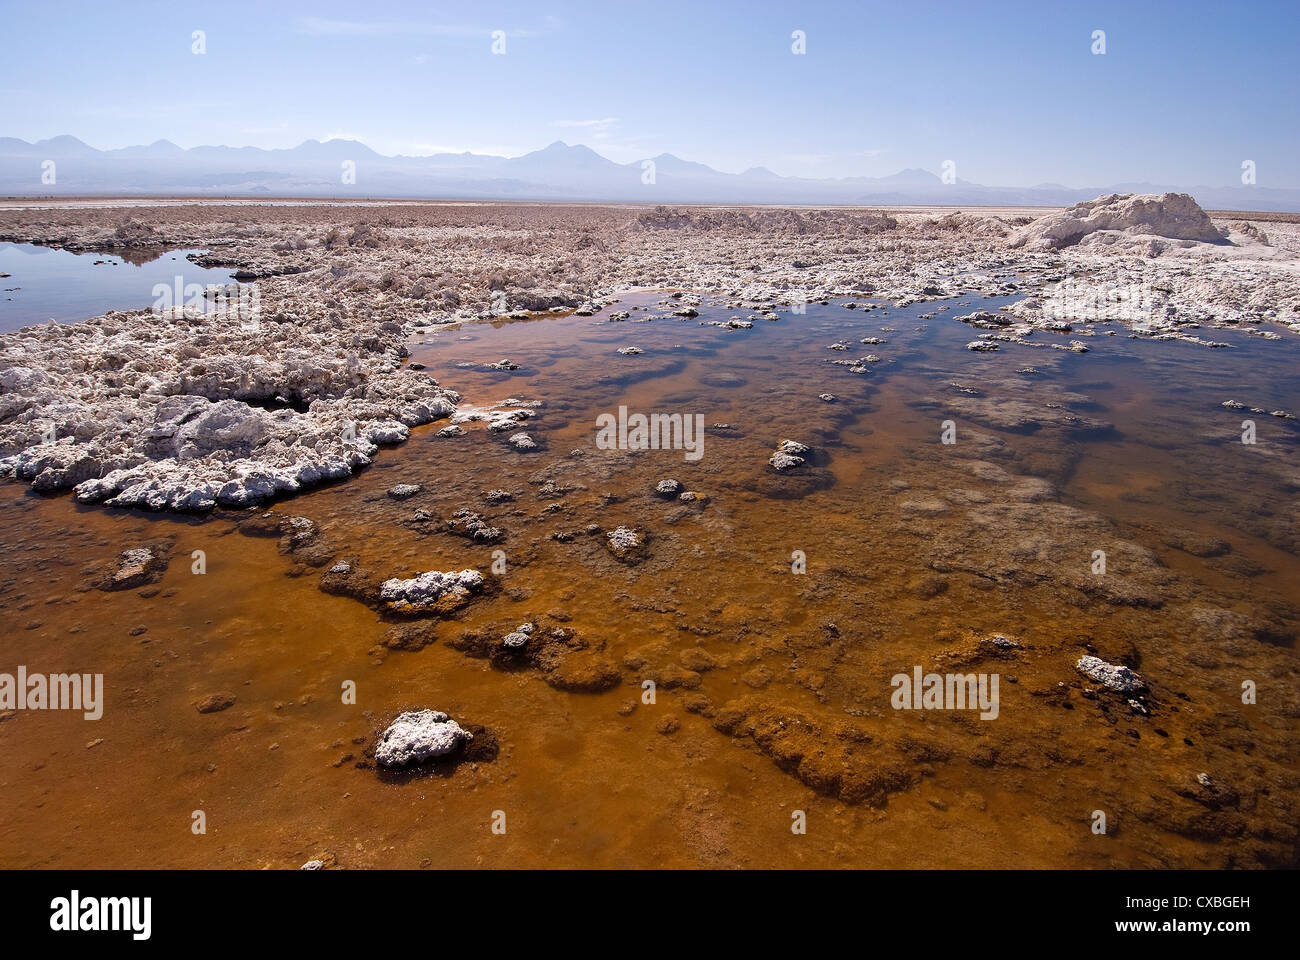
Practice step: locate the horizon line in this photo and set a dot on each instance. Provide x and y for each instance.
(1045, 184)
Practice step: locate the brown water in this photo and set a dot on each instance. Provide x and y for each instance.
(915, 551)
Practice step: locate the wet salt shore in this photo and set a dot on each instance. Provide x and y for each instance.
(773, 687)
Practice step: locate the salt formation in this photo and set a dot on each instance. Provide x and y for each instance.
(1173, 215)
(789, 454)
(417, 736)
(430, 591)
(181, 411)
(1111, 676)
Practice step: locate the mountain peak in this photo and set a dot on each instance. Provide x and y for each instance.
(65, 140)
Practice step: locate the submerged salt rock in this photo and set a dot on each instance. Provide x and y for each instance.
(417, 736)
(138, 566)
(215, 703)
(467, 523)
(297, 532)
(1173, 215)
(1112, 676)
(1003, 642)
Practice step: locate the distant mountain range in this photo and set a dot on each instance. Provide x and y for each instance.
(557, 172)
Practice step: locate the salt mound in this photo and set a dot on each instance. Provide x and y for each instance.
(1173, 215)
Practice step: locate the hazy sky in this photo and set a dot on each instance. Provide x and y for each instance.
(1011, 92)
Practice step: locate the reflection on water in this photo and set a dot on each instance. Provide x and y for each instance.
(773, 687)
(38, 284)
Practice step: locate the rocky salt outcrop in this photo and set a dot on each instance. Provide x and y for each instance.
(1112, 676)
(668, 488)
(984, 320)
(418, 736)
(789, 454)
(518, 638)
(178, 410)
(466, 523)
(432, 591)
(625, 543)
(1173, 215)
(500, 417)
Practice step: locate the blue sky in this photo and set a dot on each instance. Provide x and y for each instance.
(1011, 92)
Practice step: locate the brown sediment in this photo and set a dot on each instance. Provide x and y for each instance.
(772, 689)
